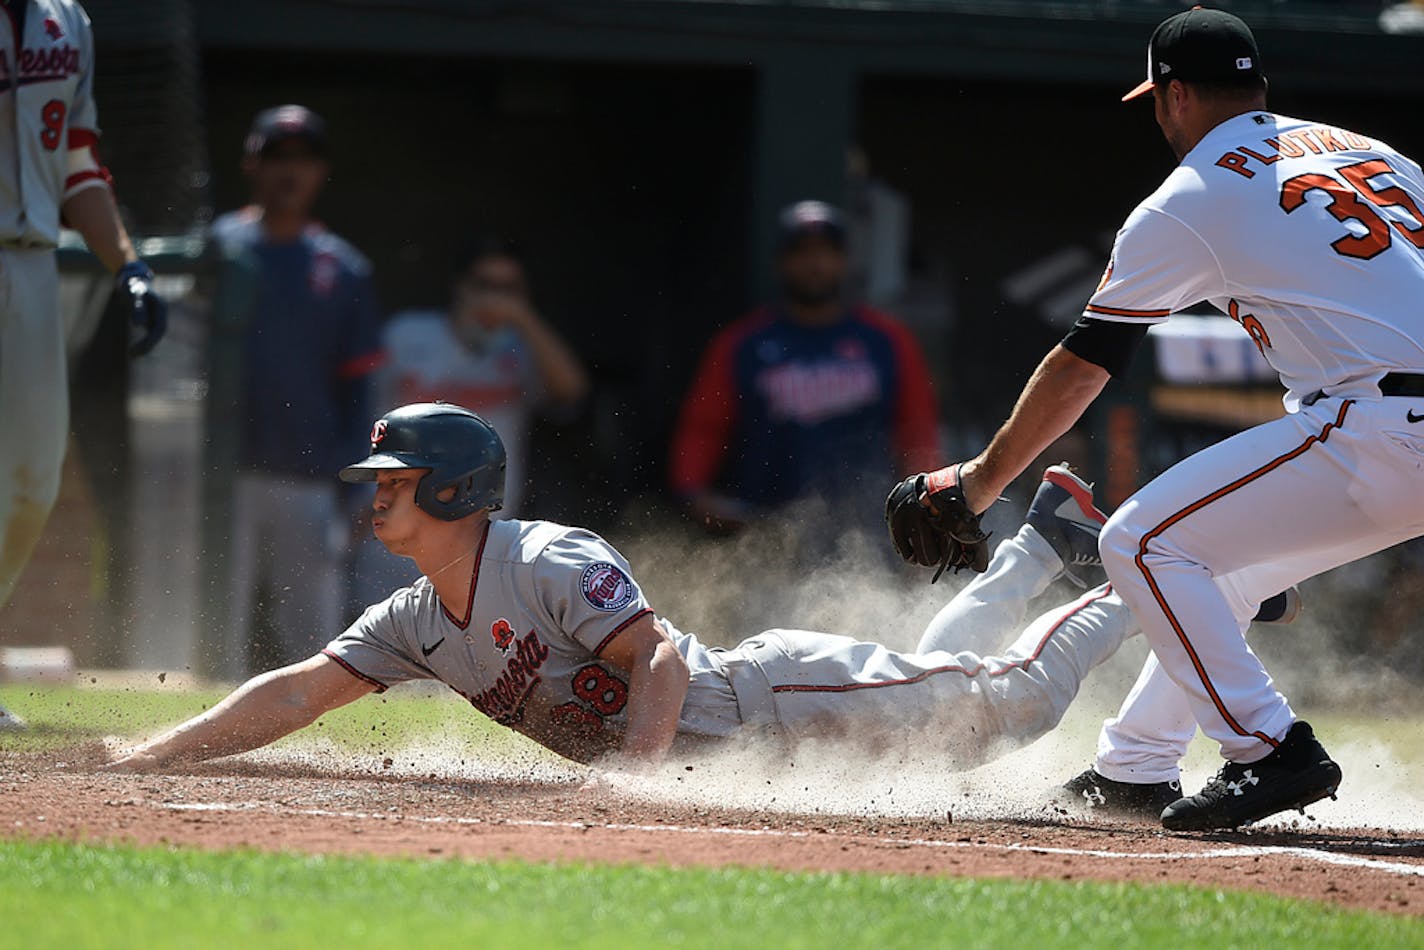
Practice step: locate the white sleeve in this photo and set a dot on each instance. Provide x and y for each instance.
(588, 589)
(1158, 266)
(374, 647)
(82, 112)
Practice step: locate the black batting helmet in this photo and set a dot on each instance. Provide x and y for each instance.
(461, 450)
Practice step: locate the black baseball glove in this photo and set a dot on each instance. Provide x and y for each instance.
(147, 311)
(930, 523)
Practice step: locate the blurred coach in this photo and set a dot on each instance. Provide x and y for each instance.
(808, 396)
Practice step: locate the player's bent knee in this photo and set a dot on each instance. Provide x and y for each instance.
(1118, 543)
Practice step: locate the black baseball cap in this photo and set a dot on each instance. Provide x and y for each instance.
(1200, 45)
(284, 123)
(810, 219)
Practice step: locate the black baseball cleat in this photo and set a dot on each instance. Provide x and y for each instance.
(1109, 798)
(1297, 773)
(1063, 512)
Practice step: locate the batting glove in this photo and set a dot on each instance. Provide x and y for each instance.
(149, 313)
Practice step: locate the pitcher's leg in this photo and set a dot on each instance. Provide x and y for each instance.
(1145, 741)
(1241, 503)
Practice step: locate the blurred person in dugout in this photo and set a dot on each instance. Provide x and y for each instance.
(310, 344)
(810, 396)
(490, 351)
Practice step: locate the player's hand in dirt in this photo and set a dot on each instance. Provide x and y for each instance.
(619, 774)
(134, 761)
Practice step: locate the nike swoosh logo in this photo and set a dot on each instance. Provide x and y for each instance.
(1412, 417)
(427, 650)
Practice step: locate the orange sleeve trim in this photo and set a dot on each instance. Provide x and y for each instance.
(603, 644)
(1124, 312)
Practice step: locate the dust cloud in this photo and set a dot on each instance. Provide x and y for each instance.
(777, 575)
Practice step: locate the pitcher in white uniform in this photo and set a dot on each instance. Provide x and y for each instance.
(544, 629)
(1311, 237)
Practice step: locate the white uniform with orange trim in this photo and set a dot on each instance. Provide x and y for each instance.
(1312, 238)
(48, 130)
(547, 599)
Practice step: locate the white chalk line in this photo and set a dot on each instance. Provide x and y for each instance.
(1232, 852)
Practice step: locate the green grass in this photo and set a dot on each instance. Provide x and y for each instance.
(61, 894)
(63, 715)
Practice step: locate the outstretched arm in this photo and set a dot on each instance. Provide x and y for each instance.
(1055, 397)
(260, 711)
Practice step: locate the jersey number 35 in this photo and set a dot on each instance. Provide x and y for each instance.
(1345, 205)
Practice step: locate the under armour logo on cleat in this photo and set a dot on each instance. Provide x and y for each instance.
(1237, 788)
(1094, 796)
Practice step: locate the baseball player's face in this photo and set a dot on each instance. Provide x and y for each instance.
(812, 271)
(288, 177)
(396, 521)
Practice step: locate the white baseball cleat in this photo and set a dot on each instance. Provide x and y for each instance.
(1064, 514)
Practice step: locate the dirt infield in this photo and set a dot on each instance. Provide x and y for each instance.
(287, 808)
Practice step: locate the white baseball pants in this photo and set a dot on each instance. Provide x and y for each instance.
(973, 707)
(34, 404)
(1239, 521)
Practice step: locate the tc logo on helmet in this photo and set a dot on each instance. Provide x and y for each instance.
(378, 432)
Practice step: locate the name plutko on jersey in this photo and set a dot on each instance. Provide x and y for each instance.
(504, 701)
(1316, 141)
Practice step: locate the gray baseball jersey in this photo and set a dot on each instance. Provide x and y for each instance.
(46, 110)
(545, 600)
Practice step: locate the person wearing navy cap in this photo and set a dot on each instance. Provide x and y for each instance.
(310, 342)
(810, 395)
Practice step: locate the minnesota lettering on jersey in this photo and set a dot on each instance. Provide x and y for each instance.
(811, 393)
(504, 701)
(39, 65)
(1296, 144)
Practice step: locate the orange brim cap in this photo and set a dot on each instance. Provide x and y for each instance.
(1143, 88)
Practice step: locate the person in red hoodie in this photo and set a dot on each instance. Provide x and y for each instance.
(811, 395)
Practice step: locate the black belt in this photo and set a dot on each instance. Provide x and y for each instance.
(1393, 384)
(1402, 384)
